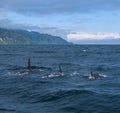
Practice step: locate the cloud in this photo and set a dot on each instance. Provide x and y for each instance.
(7, 23)
(102, 37)
(3, 13)
(59, 6)
(55, 31)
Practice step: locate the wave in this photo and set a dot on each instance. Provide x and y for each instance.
(56, 74)
(53, 96)
(19, 70)
(74, 73)
(68, 109)
(16, 67)
(7, 110)
(44, 52)
(102, 68)
(11, 54)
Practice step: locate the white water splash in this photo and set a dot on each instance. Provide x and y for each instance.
(74, 73)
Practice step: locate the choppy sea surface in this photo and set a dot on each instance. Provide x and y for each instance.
(39, 91)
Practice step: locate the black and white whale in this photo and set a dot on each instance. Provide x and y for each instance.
(96, 76)
(57, 74)
(60, 69)
(29, 65)
(27, 69)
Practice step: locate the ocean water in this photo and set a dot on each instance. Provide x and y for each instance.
(41, 92)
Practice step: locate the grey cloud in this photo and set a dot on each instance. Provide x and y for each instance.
(6, 23)
(105, 41)
(55, 31)
(3, 13)
(59, 6)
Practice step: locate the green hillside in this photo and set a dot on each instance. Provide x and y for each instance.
(8, 36)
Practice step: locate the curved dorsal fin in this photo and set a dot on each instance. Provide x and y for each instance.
(60, 69)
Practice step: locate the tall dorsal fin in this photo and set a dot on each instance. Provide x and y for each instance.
(29, 64)
(91, 73)
(60, 69)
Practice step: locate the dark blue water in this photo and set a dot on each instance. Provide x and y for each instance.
(37, 92)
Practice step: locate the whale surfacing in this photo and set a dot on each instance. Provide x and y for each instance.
(95, 76)
(57, 74)
(29, 65)
(27, 70)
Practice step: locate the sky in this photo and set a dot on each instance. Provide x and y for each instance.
(77, 21)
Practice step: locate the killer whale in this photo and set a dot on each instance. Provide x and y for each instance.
(27, 69)
(57, 74)
(95, 75)
(60, 72)
(29, 64)
(60, 69)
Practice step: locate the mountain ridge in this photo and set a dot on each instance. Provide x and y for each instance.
(19, 36)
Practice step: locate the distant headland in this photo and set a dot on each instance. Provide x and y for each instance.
(12, 36)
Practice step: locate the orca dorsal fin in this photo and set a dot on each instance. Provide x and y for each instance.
(91, 73)
(29, 65)
(60, 69)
